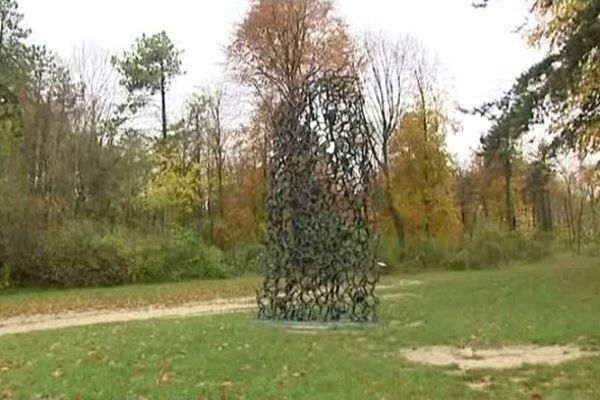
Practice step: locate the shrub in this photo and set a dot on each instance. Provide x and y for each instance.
(78, 254)
(390, 253)
(541, 246)
(428, 253)
(179, 256)
(84, 254)
(244, 259)
(487, 248)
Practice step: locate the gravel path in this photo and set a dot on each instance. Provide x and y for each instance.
(32, 323)
(46, 322)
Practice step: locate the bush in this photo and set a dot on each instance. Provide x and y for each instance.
(78, 255)
(179, 256)
(541, 246)
(428, 253)
(490, 247)
(84, 254)
(390, 253)
(244, 259)
(487, 248)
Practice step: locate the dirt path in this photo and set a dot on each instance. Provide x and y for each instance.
(495, 358)
(32, 323)
(46, 322)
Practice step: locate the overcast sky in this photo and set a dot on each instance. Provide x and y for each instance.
(478, 52)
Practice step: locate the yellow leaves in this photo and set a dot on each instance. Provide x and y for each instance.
(422, 177)
(173, 189)
(554, 21)
(173, 184)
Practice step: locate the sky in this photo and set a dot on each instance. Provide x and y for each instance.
(478, 51)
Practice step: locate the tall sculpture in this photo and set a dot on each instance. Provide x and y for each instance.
(320, 262)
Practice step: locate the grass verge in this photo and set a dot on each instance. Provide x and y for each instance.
(231, 357)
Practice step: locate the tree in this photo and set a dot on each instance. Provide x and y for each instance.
(283, 43)
(206, 120)
(12, 34)
(386, 80)
(13, 62)
(466, 198)
(501, 143)
(562, 88)
(149, 68)
(422, 176)
(590, 177)
(217, 141)
(537, 182)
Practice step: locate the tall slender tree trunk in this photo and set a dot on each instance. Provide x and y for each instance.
(220, 166)
(198, 159)
(220, 189)
(426, 192)
(549, 215)
(394, 213)
(2, 18)
(163, 99)
(510, 214)
(569, 209)
(210, 206)
(593, 210)
(580, 223)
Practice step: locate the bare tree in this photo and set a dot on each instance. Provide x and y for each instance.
(99, 85)
(206, 118)
(218, 142)
(386, 81)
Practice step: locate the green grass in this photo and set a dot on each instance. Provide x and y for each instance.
(233, 357)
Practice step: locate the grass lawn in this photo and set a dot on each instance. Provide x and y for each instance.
(233, 357)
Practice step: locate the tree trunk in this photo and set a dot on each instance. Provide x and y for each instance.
(211, 219)
(425, 127)
(510, 215)
(2, 17)
(569, 210)
(569, 222)
(395, 214)
(551, 215)
(163, 100)
(593, 211)
(220, 164)
(580, 223)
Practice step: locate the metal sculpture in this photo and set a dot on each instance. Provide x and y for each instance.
(320, 262)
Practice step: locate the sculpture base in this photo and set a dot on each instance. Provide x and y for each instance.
(319, 326)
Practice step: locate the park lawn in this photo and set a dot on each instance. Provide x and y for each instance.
(234, 357)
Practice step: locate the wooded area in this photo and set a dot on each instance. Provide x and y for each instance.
(90, 196)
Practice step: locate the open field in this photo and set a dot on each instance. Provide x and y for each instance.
(555, 302)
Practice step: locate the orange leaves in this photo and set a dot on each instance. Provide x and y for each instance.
(281, 43)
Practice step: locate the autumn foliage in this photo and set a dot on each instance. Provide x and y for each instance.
(89, 197)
